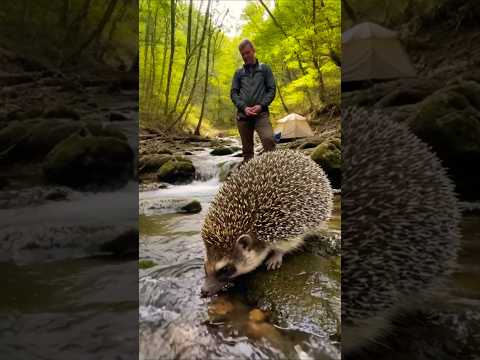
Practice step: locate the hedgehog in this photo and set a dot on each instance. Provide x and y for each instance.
(400, 226)
(260, 213)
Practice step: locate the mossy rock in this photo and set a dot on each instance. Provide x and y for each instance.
(176, 171)
(449, 123)
(61, 111)
(221, 151)
(44, 136)
(226, 169)
(193, 207)
(11, 135)
(98, 129)
(304, 294)
(32, 140)
(122, 245)
(469, 89)
(329, 156)
(153, 162)
(146, 264)
(87, 161)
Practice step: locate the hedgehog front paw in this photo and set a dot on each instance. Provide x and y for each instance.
(274, 261)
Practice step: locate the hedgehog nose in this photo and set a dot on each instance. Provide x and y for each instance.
(204, 293)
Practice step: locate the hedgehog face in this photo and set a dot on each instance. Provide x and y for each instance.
(246, 256)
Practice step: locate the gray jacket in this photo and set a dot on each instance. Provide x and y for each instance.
(252, 85)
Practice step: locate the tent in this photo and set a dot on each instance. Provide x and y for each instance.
(293, 126)
(372, 52)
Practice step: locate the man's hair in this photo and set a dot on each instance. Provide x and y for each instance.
(244, 43)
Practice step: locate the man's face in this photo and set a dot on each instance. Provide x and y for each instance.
(248, 54)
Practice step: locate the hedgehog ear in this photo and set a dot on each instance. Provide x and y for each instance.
(245, 242)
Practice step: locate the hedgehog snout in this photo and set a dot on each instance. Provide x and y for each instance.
(211, 286)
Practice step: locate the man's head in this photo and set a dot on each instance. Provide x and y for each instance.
(247, 50)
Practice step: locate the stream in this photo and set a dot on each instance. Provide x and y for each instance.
(175, 323)
(63, 295)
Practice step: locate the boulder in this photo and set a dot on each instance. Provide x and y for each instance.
(152, 162)
(449, 121)
(222, 150)
(193, 207)
(177, 170)
(329, 156)
(88, 161)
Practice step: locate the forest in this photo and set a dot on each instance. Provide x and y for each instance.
(187, 59)
(63, 33)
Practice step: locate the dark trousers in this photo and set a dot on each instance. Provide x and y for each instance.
(261, 124)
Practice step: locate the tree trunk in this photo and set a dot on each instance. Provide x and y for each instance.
(297, 55)
(281, 99)
(164, 60)
(205, 89)
(188, 56)
(96, 33)
(195, 77)
(146, 47)
(75, 27)
(349, 11)
(172, 53)
(153, 68)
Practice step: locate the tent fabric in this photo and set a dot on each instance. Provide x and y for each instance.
(371, 52)
(293, 126)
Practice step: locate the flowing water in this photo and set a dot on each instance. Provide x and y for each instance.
(175, 323)
(63, 297)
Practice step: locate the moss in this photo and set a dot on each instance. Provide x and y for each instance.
(176, 171)
(146, 264)
(329, 156)
(151, 163)
(97, 129)
(222, 150)
(469, 89)
(448, 122)
(11, 135)
(79, 161)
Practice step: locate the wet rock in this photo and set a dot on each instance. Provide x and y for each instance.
(304, 294)
(323, 242)
(152, 186)
(153, 162)
(449, 121)
(118, 116)
(124, 244)
(223, 150)
(176, 171)
(57, 195)
(329, 156)
(192, 207)
(11, 135)
(60, 111)
(86, 162)
(226, 169)
(99, 129)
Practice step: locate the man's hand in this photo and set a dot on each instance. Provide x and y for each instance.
(253, 110)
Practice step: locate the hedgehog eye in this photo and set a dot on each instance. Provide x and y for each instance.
(226, 271)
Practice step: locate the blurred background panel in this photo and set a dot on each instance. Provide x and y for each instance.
(68, 188)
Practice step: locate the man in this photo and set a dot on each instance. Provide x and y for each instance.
(253, 89)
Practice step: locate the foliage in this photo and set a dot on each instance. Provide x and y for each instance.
(301, 51)
(64, 32)
(392, 13)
